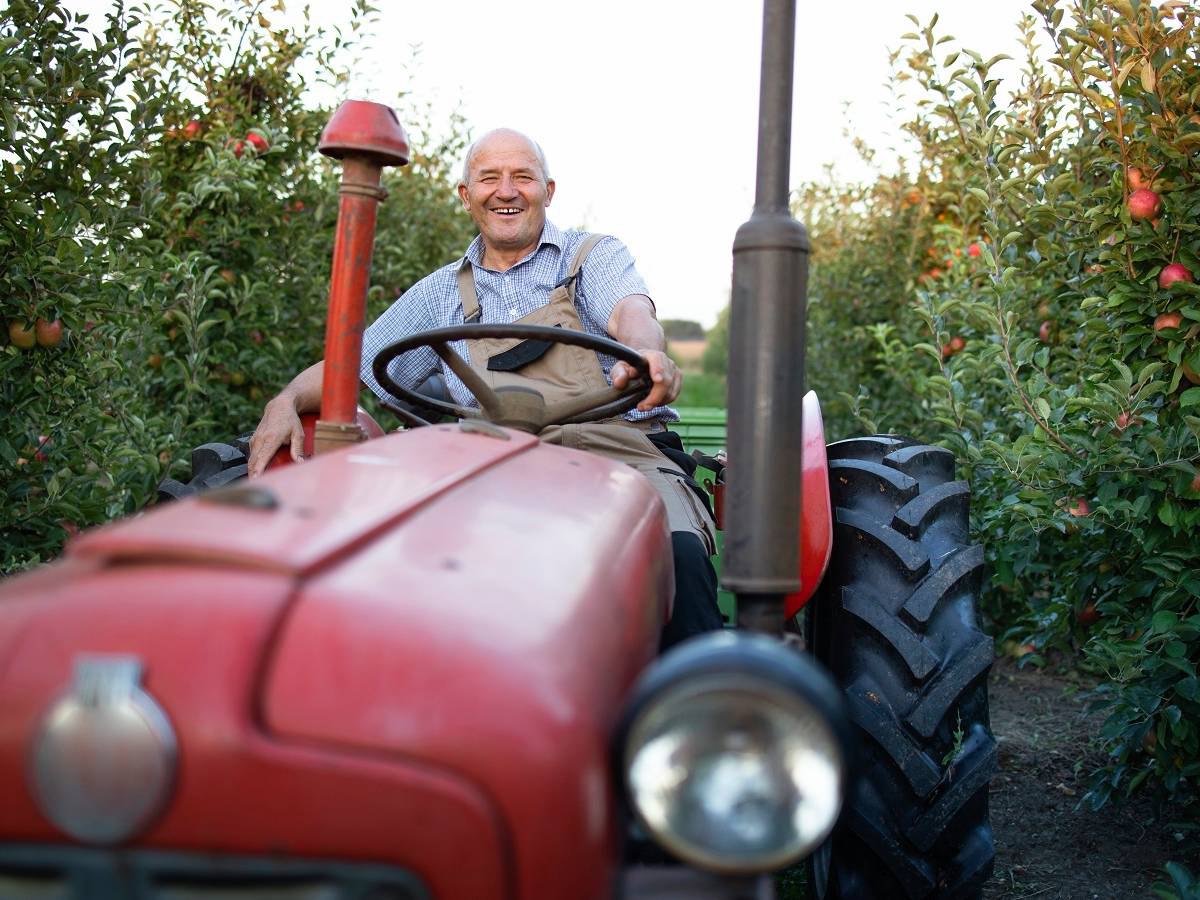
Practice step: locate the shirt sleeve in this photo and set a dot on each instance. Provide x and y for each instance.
(608, 276)
(410, 314)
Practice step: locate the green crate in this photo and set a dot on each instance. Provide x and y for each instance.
(703, 428)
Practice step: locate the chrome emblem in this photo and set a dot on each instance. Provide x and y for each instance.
(103, 762)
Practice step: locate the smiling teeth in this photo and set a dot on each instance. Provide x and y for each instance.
(507, 209)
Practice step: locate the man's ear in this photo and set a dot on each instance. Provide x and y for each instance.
(549, 191)
(462, 195)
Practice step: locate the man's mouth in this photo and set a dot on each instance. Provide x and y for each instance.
(508, 211)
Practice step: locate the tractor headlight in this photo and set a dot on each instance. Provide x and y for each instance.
(734, 754)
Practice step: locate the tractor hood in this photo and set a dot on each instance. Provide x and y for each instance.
(496, 634)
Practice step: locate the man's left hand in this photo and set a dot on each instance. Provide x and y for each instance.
(664, 374)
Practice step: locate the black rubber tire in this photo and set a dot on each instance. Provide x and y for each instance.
(895, 621)
(213, 465)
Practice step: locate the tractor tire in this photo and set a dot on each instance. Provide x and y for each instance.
(895, 621)
(213, 465)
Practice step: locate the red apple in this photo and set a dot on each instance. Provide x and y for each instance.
(1124, 420)
(21, 335)
(192, 130)
(1046, 332)
(49, 334)
(1194, 487)
(1143, 204)
(1079, 507)
(1190, 374)
(41, 452)
(1088, 616)
(974, 250)
(228, 276)
(1167, 320)
(957, 344)
(257, 141)
(1173, 273)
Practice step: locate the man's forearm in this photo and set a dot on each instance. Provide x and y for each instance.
(633, 324)
(304, 391)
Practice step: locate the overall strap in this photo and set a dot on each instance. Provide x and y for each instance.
(467, 293)
(577, 262)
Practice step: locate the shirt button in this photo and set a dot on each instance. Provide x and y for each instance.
(512, 311)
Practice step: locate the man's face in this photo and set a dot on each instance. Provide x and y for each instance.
(507, 193)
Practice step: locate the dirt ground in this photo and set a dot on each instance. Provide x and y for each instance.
(1045, 846)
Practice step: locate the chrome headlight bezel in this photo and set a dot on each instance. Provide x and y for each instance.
(752, 682)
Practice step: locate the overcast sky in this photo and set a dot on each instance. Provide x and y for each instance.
(647, 108)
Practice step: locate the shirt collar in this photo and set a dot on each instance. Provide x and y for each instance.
(551, 234)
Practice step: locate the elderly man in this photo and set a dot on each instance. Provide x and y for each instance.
(521, 268)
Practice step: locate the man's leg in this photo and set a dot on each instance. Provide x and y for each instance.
(695, 610)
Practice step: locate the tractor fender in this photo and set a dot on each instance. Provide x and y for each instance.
(816, 519)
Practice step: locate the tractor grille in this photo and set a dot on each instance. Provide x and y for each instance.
(45, 872)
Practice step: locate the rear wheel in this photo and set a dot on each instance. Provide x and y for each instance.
(895, 621)
(213, 465)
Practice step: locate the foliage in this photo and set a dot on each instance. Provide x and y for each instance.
(205, 258)
(1003, 301)
(1183, 886)
(75, 119)
(716, 352)
(682, 330)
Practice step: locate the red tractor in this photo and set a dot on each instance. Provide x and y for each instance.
(360, 677)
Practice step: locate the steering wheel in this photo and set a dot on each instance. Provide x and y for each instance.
(517, 406)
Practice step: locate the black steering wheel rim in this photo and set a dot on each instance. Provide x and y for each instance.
(641, 385)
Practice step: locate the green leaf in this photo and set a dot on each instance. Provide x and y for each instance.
(1190, 397)
(1163, 621)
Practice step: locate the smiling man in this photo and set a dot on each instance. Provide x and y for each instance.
(523, 269)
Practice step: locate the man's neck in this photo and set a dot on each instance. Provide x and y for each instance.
(501, 259)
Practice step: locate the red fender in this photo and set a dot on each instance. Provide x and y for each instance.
(816, 516)
(283, 456)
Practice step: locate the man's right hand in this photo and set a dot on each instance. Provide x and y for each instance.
(280, 425)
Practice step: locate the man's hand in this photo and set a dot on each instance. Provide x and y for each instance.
(664, 374)
(281, 419)
(280, 425)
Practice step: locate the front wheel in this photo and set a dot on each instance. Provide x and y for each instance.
(895, 621)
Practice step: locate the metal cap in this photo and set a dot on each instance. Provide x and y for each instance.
(103, 763)
(366, 128)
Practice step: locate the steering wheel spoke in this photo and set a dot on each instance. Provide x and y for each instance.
(495, 404)
(487, 398)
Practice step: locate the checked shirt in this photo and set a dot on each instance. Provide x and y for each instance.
(607, 276)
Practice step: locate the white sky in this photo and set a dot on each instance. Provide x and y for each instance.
(647, 108)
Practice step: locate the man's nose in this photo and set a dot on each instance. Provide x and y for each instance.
(507, 188)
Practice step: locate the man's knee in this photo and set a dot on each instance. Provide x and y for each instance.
(695, 610)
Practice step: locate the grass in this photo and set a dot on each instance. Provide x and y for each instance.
(701, 390)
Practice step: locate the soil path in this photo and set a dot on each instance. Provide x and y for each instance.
(1045, 846)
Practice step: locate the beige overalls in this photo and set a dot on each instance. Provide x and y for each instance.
(564, 372)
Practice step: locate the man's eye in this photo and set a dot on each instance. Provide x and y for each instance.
(489, 179)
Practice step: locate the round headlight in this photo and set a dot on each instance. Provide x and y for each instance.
(734, 770)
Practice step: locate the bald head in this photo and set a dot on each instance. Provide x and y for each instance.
(504, 137)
